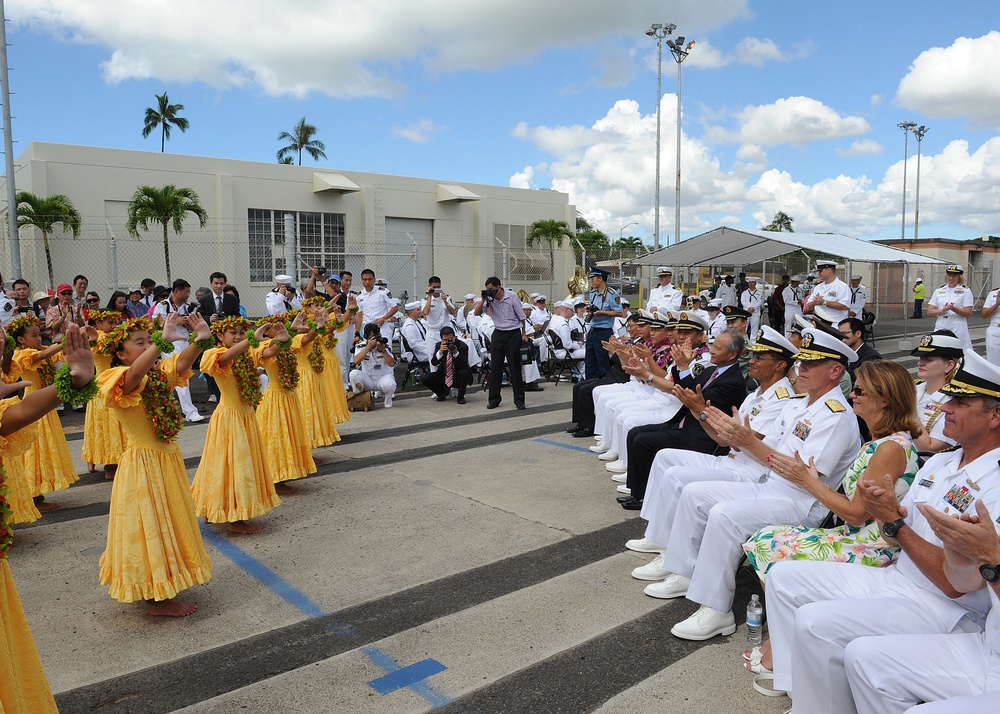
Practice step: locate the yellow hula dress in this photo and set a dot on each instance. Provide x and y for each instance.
(279, 416)
(48, 463)
(23, 686)
(232, 482)
(103, 436)
(154, 545)
(19, 486)
(332, 377)
(317, 411)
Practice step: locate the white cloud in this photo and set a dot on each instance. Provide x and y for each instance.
(608, 171)
(795, 120)
(419, 132)
(347, 48)
(865, 147)
(522, 179)
(752, 51)
(956, 81)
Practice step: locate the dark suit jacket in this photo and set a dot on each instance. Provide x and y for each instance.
(461, 360)
(230, 306)
(726, 392)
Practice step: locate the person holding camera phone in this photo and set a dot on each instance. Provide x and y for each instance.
(373, 364)
(22, 301)
(505, 345)
(438, 310)
(451, 357)
(177, 302)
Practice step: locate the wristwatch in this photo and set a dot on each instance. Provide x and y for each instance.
(703, 416)
(891, 529)
(990, 573)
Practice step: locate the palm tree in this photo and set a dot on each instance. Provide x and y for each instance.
(630, 246)
(163, 118)
(301, 138)
(167, 206)
(552, 232)
(782, 222)
(44, 213)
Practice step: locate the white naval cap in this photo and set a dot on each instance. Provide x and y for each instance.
(470, 296)
(819, 345)
(284, 279)
(977, 377)
(664, 270)
(413, 305)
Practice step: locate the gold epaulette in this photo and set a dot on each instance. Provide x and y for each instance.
(781, 393)
(918, 381)
(835, 406)
(800, 395)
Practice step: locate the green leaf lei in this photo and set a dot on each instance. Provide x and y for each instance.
(161, 344)
(68, 393)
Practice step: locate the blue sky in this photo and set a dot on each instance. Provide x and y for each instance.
(787, 105)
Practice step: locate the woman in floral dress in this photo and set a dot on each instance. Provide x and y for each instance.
(884, 397)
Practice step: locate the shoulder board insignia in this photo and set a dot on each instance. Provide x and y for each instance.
(918, 381)
(835, 406)
(781, 392)
(798, 396)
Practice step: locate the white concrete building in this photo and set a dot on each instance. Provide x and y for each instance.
(404, 228)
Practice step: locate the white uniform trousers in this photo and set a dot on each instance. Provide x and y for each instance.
(543, 348)
(343, 350)
(814, 609)
(993, 344)
(958, 705)
(890, 675)
(790, 318)
(714, 519)
(656, 410)
(187, 406)
(667, 480)
(606, 394)
(385, 384)
(530, 372)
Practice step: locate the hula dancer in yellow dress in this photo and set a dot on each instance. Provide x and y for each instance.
(154, 545)
(24, 688)
(279, 415)
(19, 486)
(317, 414)
(103, 436)
(48, 462)
(232, 484)
(333, 375)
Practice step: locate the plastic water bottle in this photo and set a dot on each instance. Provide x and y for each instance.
(755, 622)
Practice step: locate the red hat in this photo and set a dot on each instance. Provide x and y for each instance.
(63, 287)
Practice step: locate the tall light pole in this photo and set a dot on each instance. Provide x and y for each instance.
(906, 126)
(621, 237)
(659, 31)
(919, 133)
(680, 52)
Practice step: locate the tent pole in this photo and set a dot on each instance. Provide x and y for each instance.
(906, 311)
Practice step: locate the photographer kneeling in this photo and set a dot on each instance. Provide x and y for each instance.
(451, 357)
(373, 363)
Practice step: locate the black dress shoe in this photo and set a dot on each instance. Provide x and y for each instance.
(623, 498)
(460, 400)
(572, 429)
(441, 399)
(586, 431)
(632, 504)
(520, 407)
(493, 406)
(533, 387)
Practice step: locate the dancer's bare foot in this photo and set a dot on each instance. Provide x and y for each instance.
(109, 471)
(284, 489)
(42, 505)
(245, 527)
(171, 608)
(91, 468)
(319, 460)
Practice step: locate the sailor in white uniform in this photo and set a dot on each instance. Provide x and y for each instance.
(830, 292)
(284, 297)
(859, 297)
(952, 304)
(816, 609)
(664, 297)
(792, 295)
(752, 301)
(991, 313)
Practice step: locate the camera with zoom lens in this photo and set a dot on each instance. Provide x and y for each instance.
(592, 309)
(489, 293)
(380, 339)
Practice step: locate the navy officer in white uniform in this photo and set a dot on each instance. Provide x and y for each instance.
(664, 297)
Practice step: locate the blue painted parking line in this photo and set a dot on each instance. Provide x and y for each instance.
(410, 677)
(270, 579)
(565, 446)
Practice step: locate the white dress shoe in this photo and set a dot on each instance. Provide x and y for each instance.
(600, 447)
(617, 467)
(674, 586)
(705, 624)
(624, 489)
(644, 545)
(609, 455)
(619, 478)
(196, 418)
(651, 571)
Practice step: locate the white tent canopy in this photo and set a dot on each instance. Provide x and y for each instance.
(741, 246)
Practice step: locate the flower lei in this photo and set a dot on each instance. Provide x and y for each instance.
(162, 406)
(244, 368)
(288, 370)
(46, 372)
(317, 360)
(6, 513)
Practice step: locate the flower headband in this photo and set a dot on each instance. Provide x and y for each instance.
(274, 320)
(122, 331)
(315, 300)
(22, 323)
(231, 323)
(100, 315)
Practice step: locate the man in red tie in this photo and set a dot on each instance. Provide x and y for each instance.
(451, 357)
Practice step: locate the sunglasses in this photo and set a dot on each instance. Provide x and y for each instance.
(66, 292)
(858, 392)
(93, 300)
